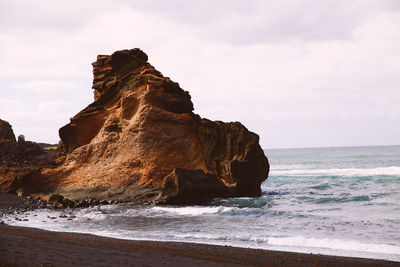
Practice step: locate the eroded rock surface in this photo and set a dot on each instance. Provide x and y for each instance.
(18, 159)
(139, 140)
(6, 132)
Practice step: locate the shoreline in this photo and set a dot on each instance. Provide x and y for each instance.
(24, 246)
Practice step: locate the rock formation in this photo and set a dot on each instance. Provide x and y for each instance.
(18, 159)
(140, 141)
(6, 132)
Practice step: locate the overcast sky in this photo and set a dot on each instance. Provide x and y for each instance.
(299, 73)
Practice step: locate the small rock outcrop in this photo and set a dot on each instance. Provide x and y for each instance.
(6, 132)
(140, 141)
(18, 159)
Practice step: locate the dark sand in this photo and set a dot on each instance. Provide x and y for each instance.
(22, 246)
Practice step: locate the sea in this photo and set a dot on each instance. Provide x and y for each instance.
(335, 201)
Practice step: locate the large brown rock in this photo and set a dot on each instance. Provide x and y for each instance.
(139, 140)
(6, 132)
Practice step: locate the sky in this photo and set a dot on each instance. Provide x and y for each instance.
(301, 73)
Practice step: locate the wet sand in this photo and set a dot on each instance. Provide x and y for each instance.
(23, 246)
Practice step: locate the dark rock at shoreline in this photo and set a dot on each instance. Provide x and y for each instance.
(59, 202)
(10, 203)
(189, 186)
(140, 141)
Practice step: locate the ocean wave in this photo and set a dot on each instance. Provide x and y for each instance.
(327, 246)
(291, 243)
(191, 210)
(288, 166)
(219, 210)
(234, 238)
(336, 244)
(392, 171)
(245, 202)
(225, 211)
(325, 200)
(323, 186)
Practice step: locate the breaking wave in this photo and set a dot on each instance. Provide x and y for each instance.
(192, 210)
(392, 171)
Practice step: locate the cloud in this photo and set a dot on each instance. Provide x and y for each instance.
(49, 15)
(50, 86)
(37, 121)
(290, 65)
(257, 21)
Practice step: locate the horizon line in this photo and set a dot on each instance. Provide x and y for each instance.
(340, 146)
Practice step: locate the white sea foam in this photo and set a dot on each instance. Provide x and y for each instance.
(393, 170)
(192, 210)
(288, 166)
(242, 239)
(336, 244)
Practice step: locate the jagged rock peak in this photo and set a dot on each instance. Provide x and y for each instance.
(128, 70)
(123, 83)
(107, 70)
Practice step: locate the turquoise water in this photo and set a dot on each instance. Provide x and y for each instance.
(338, 201)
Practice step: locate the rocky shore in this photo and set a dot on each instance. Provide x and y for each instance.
(10, 203)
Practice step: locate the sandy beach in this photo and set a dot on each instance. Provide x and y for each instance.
(23, 246)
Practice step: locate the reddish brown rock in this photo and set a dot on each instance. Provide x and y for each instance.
(18, 159)
(6, 132)
(139, 140)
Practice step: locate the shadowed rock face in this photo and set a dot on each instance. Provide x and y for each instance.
(6, 132)
(140, 140)
(18, 159)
